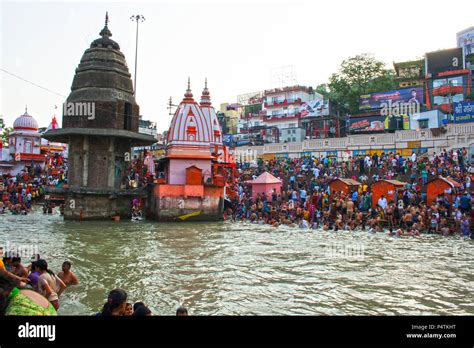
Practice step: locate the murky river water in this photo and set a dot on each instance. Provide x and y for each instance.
(242, 269)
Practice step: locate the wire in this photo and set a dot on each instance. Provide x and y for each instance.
(31, 83)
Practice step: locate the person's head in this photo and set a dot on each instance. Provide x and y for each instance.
(182, 312)
(128, 309)
(42, 266)
(140, 310)
(34, 266)
(66, 267)
(116, 303)
(16, 261)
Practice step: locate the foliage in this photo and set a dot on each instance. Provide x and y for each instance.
(359, 75)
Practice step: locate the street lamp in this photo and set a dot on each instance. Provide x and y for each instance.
(136, 18)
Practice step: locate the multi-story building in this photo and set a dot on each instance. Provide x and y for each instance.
(447, 79)
(465, 40)
(147, 127)
(289, 114)
(229, 116)
(410, 74)
(283, 111)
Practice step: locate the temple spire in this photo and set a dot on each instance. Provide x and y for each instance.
(188, 95)
(26, 109)
(205, 97)
(106, 32)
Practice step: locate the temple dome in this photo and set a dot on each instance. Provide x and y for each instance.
(25, 122)
(189, 130)
(102, 74)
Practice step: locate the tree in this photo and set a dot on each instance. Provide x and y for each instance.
(358, 75)
(323, 89)
(4, 135)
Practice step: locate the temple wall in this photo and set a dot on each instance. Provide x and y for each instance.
(169, 202)
(177, 168)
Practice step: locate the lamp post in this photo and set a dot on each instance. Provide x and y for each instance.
(136, 18)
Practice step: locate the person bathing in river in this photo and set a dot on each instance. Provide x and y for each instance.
(49, 285)
(66, 275)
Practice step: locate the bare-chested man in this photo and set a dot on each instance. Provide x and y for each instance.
(67, 276)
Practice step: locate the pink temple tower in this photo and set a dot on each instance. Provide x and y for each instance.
(192, 187)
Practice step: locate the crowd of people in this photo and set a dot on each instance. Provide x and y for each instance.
(306, 200)
(19, 192)
(36, 290)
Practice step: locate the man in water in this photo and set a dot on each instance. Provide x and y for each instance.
(67, 276)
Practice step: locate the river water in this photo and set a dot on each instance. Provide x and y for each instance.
(229, 268)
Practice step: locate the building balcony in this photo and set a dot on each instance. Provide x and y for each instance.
(281, 117)
(283, 103)
(445, 90)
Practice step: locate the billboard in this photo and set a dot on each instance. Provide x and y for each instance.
(465, 39)
(367, 124)
(464, 112)
(406, 95)
(445, 60)
(228, 140)
(315, 108)
(378, 123)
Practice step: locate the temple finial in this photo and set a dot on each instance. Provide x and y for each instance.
(205, 83)
(106, 32)
(188, 93)
(26, 109)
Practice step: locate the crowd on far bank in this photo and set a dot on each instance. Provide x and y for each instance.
(19, 192)
(306, 200)
(35, 290)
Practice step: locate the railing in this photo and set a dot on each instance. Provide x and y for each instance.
(280, 117)
(456, 134)
(283, 103)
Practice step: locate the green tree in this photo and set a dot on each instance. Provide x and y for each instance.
(358, 75)
(4, 135)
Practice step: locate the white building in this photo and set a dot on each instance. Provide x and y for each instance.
(284, 108)
(23, 146)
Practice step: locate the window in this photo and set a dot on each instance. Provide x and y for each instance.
(423, 123)
(455, 81)
(439, 99)
(439, 83)
(291, 125)
(294, 131)
(127, 119)
(294, 139)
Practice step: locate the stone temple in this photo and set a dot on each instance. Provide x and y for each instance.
(100, 124)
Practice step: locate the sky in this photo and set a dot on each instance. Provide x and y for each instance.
(240, 46)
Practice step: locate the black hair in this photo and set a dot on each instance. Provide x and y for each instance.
(182, 310)
(141, 311)
(34, 264)
(43, 265)
(115, 299)
(137, 305)
(16, 259)
(6, 286)
(67, 263)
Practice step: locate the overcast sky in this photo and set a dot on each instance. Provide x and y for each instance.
(238, 46)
